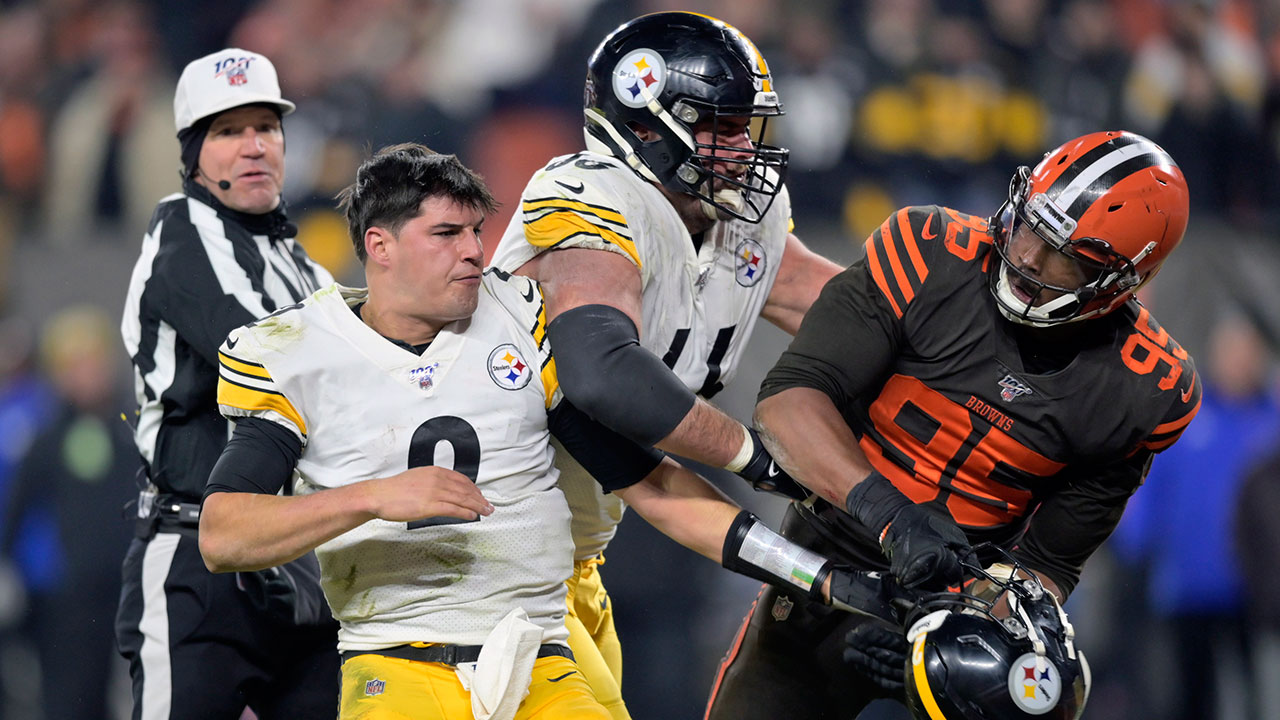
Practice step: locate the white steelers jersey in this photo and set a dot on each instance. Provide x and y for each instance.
(699, 306)
(476, 400)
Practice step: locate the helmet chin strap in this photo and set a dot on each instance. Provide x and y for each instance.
(727, 197)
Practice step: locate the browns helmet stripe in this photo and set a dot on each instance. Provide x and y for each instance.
(1077, 166)
(1111, 168)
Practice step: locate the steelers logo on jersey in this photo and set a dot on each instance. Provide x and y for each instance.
(1034, 684)
(638, 77)
(749, 262)
(508, 368)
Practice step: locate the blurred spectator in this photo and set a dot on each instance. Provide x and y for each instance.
(29, 561)
(1180, 524)
(111, 144)
(1081, 71)
(81, 469)
(1258, 548)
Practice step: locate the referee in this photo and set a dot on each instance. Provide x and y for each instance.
(216, 256)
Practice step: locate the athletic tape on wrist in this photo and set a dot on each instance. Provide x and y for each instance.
(745, 452)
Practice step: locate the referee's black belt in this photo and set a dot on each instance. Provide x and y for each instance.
(448, 654)
(169, 514)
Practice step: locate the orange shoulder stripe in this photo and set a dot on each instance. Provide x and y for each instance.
(877, 274)
(1181, 422)
(909, 241)
(899, 273)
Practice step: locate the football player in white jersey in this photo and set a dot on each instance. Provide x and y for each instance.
(671, 237)
(354, 402)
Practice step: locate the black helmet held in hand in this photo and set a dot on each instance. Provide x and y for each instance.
(967, 664)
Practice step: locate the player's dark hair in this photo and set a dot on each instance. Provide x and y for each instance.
(391, 185)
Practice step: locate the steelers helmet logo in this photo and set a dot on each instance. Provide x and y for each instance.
(749, 263)
(1034, 684)
(508, 368)
(639, 76)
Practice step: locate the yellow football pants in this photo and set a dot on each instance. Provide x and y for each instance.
(592, 636)
(376, 687)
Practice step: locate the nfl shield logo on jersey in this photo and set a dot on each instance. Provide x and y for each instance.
(782, 608)
(749, 263)
(423, 376)
(508, 369)
(375, 687)
(1012, 388)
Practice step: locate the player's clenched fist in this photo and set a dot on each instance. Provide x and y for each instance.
(427, 492)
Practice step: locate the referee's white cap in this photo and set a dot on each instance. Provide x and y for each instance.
(223, 80)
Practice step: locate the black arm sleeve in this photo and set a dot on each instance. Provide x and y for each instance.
(605, 371)
(1070, 525)
(260, 458)
(847, 341)
(614, 461)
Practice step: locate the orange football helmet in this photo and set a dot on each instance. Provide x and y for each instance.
(1114, 202)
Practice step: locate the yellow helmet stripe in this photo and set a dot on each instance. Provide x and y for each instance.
(921, 679)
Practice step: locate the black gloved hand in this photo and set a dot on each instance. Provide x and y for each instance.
(924, 546)
(290, 593)
(878, 652)
(765, 475)
(870, 593)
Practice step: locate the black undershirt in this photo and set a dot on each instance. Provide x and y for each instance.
(415, 349)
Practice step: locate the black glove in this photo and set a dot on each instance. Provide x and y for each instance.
(290, 593)
(870, 593)
(879, 653)
(765, 475)
(924, 546)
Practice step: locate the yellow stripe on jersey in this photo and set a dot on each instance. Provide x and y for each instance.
(561, 224)
(540, 325)
(254, 400)
(550, 381)
(242, 367)
(604, 213)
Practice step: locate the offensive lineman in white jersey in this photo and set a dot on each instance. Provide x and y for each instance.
(352, 401)
(672, 235)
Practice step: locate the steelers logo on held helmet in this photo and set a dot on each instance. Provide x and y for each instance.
(968, 664)
(683, 99)
(1115, 203)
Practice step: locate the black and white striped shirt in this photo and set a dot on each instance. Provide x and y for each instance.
(204, 270)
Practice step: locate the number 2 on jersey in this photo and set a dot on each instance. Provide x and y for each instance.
(466, 454)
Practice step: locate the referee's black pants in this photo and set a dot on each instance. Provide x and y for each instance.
(197, 647)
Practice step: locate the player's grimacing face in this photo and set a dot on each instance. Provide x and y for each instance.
(1032, 255)
(439, 260)
(733, 136)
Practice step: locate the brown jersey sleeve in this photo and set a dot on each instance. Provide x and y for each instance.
(851, 335)
(1073, 522)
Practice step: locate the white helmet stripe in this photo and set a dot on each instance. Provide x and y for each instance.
(1096, 170)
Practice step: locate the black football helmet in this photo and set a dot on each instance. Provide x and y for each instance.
(673, 74)
(967, 664)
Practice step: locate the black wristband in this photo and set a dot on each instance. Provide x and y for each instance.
(874, 502)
